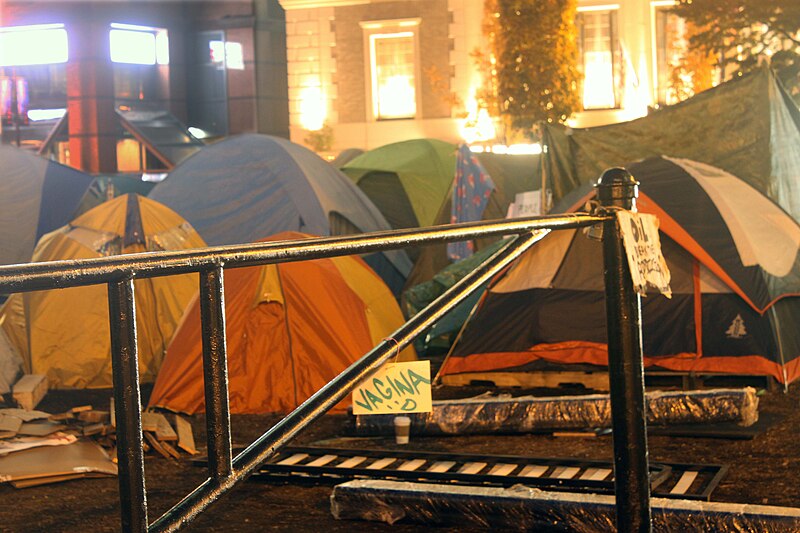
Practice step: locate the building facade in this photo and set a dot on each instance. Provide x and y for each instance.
(109, 86)
(370, 72)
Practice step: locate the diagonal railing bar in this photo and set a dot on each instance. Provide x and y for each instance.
(73, 273)
(338, 388)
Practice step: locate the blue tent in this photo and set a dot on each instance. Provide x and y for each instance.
(37, 195)
(248, 187)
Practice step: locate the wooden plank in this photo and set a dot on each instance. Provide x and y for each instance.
(29, 390)
(410, 466)
(170, 449)
(185, 435)
(322, 461)
(382, 463)
(150, 421)
(596, 474)
(684, 482)
(502, 469)
(352, 462)
(156, 445)
(293, 459)
(164, 430)
(441, 466)
(533, 471)
(93, 416)
(548, 379)
(565, 472)
(471, 468)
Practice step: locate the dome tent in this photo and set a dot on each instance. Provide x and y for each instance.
(734, 256)
(290, 329)
(65, 333)
(244, 187)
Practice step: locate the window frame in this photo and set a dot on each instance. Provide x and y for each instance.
(397, 28)
(615, 49)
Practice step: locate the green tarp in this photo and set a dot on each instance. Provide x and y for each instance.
(749, 127)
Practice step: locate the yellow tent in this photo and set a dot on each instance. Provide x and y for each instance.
(290, 327)
(64, 333)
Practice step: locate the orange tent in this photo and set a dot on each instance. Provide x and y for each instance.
(290, 329)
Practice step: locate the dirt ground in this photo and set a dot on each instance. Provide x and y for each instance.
(764, 470)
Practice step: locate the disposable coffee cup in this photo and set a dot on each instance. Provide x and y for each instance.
(402, 427)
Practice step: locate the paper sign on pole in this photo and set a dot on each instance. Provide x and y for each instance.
(396, 388)
(643, 248)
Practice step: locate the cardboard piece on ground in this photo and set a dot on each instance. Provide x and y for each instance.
(40, 428)
(80, 409)
(46, 462)
(26, 483)
(185, 435)
(23, 443)
(29, 390)
(25, 415)
(9, 426)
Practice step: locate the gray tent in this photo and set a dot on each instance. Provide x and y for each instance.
(248, 187)
(37, 195)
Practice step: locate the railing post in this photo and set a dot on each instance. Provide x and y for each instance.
(617, 188)
(127, 405)
(215, 373)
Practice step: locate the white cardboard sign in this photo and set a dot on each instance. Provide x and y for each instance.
(643, 248)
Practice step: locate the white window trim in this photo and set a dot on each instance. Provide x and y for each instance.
(388, 28)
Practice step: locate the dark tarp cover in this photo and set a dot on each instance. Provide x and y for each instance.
(749, 127)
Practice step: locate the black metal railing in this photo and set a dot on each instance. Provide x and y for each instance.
(118, 272)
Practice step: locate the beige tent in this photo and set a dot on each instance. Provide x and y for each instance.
(65, 333)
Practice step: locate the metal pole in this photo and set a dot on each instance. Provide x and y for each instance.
(338, 388)
(215, 373)
(127, 405)
(617, 188)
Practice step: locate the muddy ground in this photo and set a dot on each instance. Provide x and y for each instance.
(763, 470)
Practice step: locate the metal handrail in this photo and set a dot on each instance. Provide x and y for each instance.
(119, 272)
(225, 472)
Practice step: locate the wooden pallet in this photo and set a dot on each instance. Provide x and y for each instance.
(599, 380)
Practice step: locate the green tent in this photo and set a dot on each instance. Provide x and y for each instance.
(749, 127)
(407, 181)
(511, 174)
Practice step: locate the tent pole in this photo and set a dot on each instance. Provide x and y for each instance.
(617, 189)
(777, 329)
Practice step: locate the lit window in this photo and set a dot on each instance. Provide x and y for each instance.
(33, 45)
(138, 45)
(393, 74)
(602, 79)
(226, 53)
